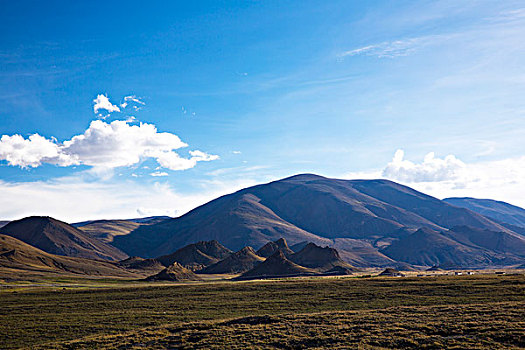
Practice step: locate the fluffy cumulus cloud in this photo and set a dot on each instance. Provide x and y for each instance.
(430, 170)
(104, 146)
(502, 179)
(33, 151)
(102, 102)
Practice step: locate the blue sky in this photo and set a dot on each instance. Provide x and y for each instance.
(215, 96)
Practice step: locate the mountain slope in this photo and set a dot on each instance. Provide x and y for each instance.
(57, 237)
(277, 265)
(271, 247)
(197, 255)
(497, 210)
(453, 248)
(499, 242)
(361, 216)
(174, 272)
(316, 257)
(20, 256)
(106, 230)
(235, 220)
(238, 262)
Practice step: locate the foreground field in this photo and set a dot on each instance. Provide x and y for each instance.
(481, 311)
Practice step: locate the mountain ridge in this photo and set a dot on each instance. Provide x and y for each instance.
(59, 238)
(360, 217)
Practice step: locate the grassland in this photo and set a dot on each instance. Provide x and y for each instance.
(479, 311)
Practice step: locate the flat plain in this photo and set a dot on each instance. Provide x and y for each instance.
(469, 311)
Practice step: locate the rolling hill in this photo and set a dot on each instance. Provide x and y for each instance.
(18, 256)
(59, 238)
(358, 217)
(106, 230)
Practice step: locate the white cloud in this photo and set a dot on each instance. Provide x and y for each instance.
(396, 48)
(103, 146)
(102, 200)
(102, 102)
(497, 179)
(236, 152)
(431, 169)
(159, 173)
(173, 161)
(131, 99)
(32, 152)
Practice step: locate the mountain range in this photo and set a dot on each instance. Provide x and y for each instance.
(361, 223)
(360, 218)
(496, 210)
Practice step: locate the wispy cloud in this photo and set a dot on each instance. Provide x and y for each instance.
(103, 200)
(391, 49)
(159, 173)
(132, 99)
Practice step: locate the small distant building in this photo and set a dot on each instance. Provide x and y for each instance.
(458, 273)
(500, 272)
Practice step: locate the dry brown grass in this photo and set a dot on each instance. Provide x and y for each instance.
(480, 311)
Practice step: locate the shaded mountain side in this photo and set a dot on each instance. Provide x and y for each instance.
(299, 246)
(57, 237)
(319, 258)
(174, 272)
(423, 205)
(518, 229)
(3, 223)
(427, 247)
(497, 210)
(234, 220)
(238, 262)
(141, 264)
(271, 247)
(360, 253)
(499, 242)
(307, 208)
(197, 255)
(277, 265)
(331, 208)
(15, 254)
